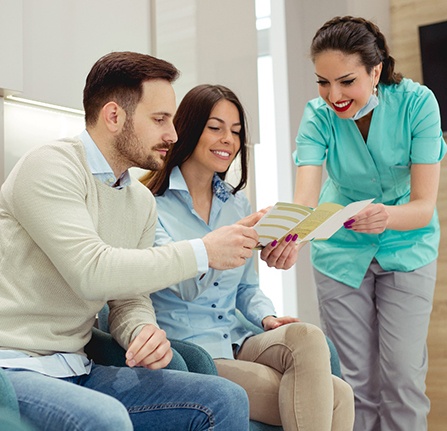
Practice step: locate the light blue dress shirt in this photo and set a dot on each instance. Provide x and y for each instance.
(71, 364)
(202, 309)
(405, 129)
(99, 166)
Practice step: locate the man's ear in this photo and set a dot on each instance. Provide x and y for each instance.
(113, 116)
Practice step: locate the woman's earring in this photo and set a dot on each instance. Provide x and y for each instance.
(375, 90)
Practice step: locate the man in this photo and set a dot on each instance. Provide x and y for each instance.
(76, 232)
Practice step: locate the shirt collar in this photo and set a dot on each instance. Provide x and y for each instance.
(176, 180)
(99, 166)
(220, 189)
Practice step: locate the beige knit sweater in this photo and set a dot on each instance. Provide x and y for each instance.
(68, 244)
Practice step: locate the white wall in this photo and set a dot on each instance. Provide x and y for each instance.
(11, 46)
(47, 47)
(63, 38)
(214, 42)
(11, 60)
(2, 141)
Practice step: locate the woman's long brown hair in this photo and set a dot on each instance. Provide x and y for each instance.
(189, 122)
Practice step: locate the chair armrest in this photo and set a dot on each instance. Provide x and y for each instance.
(197, 359)
(104, 350)
(335, 359)
(10, 421)
(8, 398)
(259, 426)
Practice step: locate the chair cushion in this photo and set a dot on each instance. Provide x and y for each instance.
(8, 398)
(104, 350)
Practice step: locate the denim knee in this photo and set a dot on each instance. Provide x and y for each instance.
(114, 417)
(235, 393)
(231, 405)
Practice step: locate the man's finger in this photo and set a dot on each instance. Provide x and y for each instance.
(134, 352)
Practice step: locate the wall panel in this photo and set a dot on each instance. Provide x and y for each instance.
(63, 38)
(406, 17)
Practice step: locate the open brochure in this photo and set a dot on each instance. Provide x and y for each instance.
(309, 223)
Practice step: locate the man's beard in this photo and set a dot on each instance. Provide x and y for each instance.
(130, 147)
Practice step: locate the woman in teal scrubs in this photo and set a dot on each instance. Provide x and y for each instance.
(380, 137)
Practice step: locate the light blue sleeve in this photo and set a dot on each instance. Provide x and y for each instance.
(189, 290)
(162, 238)
(201, 255)
(250, 299)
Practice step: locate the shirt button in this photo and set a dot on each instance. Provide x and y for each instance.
(373, 180)
(216, 283)
(213, 305)
(220, 317)
(225, 335)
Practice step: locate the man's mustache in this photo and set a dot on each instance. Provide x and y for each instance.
(166, 147)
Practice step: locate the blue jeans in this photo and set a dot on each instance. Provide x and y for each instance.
(121, 399)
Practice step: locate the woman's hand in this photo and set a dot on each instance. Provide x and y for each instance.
(272, 322)
(373, 219)
(416, 213)
(281, 255)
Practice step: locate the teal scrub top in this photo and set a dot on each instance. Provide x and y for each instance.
(405, 129)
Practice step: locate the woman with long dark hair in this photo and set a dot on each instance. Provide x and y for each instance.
(286, 369)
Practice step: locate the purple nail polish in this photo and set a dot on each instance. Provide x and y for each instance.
(348, 223)
(289, 237)
(295, 237)
(274, 243)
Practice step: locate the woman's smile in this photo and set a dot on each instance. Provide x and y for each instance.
(342, 106)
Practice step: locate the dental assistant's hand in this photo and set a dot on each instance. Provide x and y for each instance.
(150, 349)
(372, 219)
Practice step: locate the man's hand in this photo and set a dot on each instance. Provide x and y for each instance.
(272, 322)
(229, 246)
(150, 349)
(252, 219)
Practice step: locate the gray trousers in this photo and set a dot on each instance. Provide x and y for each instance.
(380, 331)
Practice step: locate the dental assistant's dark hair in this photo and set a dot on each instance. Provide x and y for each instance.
(351, 35)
